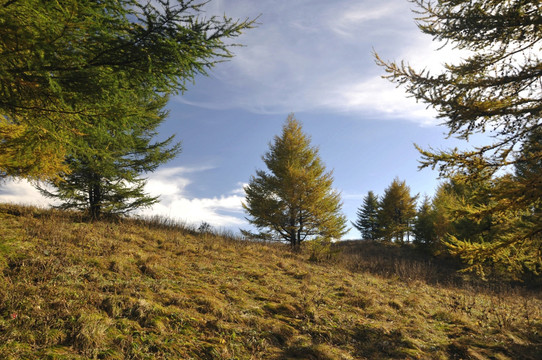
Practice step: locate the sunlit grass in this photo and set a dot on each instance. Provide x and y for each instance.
(155, 289)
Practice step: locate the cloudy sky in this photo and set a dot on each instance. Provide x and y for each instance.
(312, 58)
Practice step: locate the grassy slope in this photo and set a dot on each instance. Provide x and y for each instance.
(75, 290)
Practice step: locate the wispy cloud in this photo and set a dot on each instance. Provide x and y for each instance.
(318, 57)
(350, 22)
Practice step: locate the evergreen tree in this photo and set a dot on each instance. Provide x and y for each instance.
(294, 201)
(528, 181)
(496, 89)
(397, 210)
(441, 203)
(67, 61)
(424, 225)
(528, 165)
(107, 179)
(367, 221)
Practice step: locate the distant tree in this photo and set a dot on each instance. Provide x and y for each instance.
(424, 224)
(107, 179)
(295, 200)
(396, 213)
(528, 164)
(367, 217)
(527, 181)
(496, 88)
(65, 62)
(442, 204)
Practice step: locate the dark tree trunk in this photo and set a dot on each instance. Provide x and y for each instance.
(293, 239)
(95, 200)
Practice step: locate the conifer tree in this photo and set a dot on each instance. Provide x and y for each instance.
(424, 225)
(527, 181)
(107, 179)
(294, 200)
(441, 203)
(396, 213)
(367, 221)
(497, 88)
(64, 62)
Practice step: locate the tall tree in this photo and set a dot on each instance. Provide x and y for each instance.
(497, 88)
(367, 217)
(396, 213)
(295, 200)
(107, 180)
(64, 62)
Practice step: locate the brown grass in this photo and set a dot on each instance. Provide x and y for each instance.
(153, 289)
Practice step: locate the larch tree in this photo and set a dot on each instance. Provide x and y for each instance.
(528, 177)
(65, 62)
(108, 179)
(294, 200)
(367, 217)
(396, 212)
(495, 89)
(424, 225)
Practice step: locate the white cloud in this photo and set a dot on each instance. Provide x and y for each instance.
(217, 211)
(22, 192)
(221, 211)
(381, 98)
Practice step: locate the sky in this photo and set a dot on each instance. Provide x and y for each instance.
(313, 58)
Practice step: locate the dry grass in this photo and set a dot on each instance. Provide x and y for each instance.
(152, 289)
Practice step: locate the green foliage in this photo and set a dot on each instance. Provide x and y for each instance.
(496, 88)
(511, 216)
(295, 199)
(106, 180)
(367, 221)
(320, 249)
(424, 225)
(396, 212)
(64, 63)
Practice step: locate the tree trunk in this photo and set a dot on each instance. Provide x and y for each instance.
(95, 200)
(293, 239)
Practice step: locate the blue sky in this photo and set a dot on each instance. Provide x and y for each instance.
(312, 58)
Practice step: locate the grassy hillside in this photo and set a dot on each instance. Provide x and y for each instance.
(129, 289)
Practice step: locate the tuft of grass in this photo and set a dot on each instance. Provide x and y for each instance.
(156, 289)
(90, 333)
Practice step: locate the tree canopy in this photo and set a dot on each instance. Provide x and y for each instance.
(294, 201)
(107, 180)
(495, 89)
(63, 63)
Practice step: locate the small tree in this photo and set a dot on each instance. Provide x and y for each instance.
(396, 212)
(294, 200)
(107, 179)
(367, 221)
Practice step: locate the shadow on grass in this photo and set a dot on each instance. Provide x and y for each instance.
(408, 263)
(404, 262)
(367, 342)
